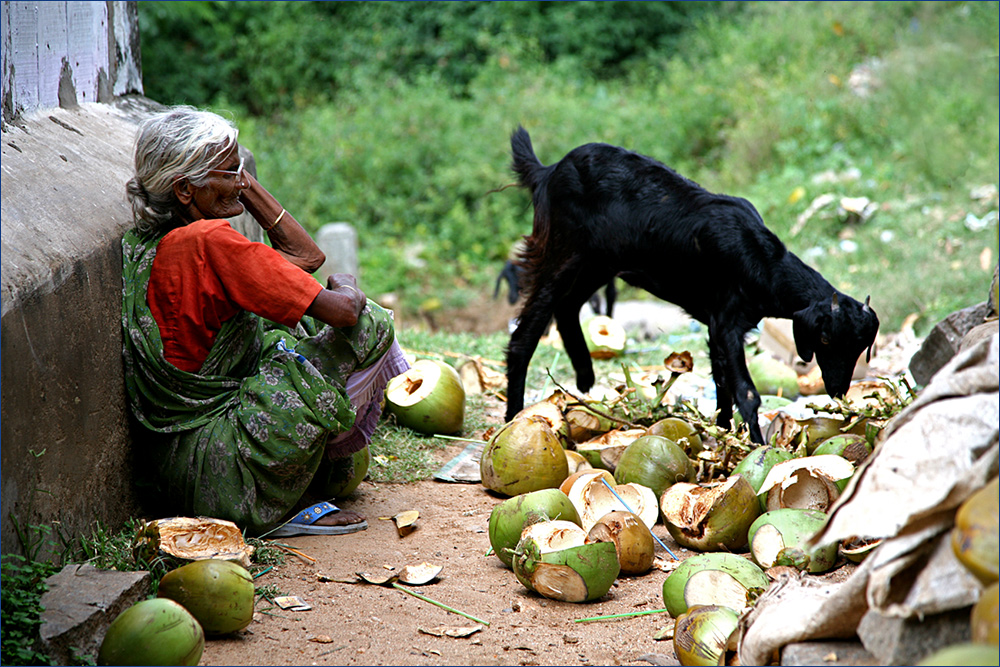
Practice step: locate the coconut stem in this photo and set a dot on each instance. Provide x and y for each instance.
(439, 604)
(611, 616)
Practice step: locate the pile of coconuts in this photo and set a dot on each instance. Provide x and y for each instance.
(582, 488)
(207, 597)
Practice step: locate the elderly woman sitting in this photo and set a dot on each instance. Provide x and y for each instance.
(259, 387)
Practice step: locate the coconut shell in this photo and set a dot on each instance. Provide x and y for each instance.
(593, 449)
(605, 338)
(710, 518)
(986, 617)
(744, 571)
(654, 462)
(578, 573)
(680, 432)
(523, 455)
(632, 539)
(428, 398)
(784, 530)
(509, 519)
(157, 631)
(755, 465)
(704, 634)
(854, 448)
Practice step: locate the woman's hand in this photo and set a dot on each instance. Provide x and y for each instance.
(340, 304)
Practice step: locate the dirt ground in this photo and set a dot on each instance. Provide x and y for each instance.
(355, 623)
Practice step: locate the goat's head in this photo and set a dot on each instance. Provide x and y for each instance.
(836, 330)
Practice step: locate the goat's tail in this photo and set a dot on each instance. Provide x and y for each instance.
(524, 162)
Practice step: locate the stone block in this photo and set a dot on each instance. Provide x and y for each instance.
(833, 653)
(906, 641)
(80, 604)
(943, 341)
(339, 242)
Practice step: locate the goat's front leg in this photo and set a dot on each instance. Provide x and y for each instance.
(568, 323)
(532, 322)
(732, 378)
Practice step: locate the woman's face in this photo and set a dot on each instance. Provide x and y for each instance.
(219, 196)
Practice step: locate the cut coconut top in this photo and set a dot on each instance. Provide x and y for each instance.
(416, 384)
(555, 535)
(833, 467)
(715, 587)
(596, 500)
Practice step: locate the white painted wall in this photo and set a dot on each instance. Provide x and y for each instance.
(65, 53)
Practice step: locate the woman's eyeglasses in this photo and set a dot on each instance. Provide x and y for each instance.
(237, 175)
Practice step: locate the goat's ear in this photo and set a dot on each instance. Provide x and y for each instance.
(805, 330)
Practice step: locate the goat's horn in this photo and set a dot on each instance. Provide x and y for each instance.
(867, 299)
(836, 303)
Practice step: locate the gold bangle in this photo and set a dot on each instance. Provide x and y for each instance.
(276, 221)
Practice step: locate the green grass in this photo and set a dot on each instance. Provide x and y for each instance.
(756, 104)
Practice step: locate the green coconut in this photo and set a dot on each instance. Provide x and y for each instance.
(551, 413)
(654, 462)
(158, 631)
(710, 518)
(509, 519)
(739, 568)
(755, 465)
(554, 560)
(854, 448)
(218, 593)
(682, 433)
(974, 537)
(704, 634)
(588, 420)
(523, 455)
(818, 428)
(812, 482)
(605, 337)
(428, 398)
(772, 376)
(986, 616)
(340, 477)
(966, 653)
(779, 538)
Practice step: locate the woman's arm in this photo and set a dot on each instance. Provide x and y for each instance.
(286, 235)
(340, 304)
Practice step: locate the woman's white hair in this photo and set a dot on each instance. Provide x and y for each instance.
(180, 142)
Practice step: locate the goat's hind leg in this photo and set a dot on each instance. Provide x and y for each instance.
(732, 379)
(532, 322)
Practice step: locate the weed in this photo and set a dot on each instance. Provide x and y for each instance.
(23, 587)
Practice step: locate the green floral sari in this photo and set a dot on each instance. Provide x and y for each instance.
(243, 438)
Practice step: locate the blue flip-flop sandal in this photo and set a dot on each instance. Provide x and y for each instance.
(304, 523)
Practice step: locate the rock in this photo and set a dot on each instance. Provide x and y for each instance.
(943, 341)
(826, 653)
(80, 604)
(983, 331)
(905, 641)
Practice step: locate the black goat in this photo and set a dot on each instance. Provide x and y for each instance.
(603, 211)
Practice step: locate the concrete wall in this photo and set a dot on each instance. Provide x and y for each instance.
(65, 439)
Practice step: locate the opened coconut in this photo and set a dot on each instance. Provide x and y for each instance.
(757, 464)
(854, 448)
(198, 538)
(428, 398)
(717, 588)
(613, 441)
(704, 634)
(710, 518)
(554, 560)
(509, 519)
(632, 539)
(158, 631)
(780, 537)
(680, 432)
(812, 483)
(654, 461)
(551, 413)
(605, 337)
(593, 499)
(219, 594)
(588, 420)
(523, 455)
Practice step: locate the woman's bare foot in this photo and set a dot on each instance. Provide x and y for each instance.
(341, 518)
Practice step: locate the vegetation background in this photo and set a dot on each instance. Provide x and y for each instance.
(396, 117)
